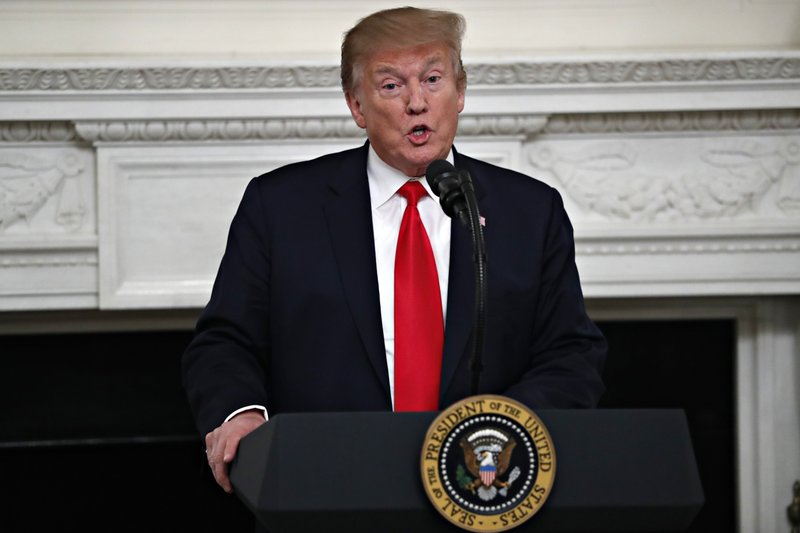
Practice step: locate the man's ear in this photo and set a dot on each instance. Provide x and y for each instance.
(355, 108)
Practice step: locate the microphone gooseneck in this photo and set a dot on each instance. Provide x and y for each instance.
(457, 198)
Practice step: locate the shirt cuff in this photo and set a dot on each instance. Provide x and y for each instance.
(249, 408)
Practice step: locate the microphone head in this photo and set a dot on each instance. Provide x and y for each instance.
(436, 171)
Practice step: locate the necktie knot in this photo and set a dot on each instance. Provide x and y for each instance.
(412, 191)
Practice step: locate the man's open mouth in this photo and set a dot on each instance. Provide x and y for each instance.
(419, 131)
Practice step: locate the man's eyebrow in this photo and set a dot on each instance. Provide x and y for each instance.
(389, 69)
(433, 60)
(385, 69)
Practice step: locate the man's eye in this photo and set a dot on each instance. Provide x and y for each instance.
(434, 79)
(390, 86)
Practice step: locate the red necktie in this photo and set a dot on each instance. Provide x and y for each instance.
(418, 321)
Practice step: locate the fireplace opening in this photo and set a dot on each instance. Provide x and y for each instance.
(96, 432)
(683, 364)
(97, 435)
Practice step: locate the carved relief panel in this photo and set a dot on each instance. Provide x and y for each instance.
(691, 181)
(618, 170)
(46, 181)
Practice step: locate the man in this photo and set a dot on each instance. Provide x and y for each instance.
(310, 308)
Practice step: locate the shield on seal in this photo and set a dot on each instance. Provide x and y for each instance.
(488, 473)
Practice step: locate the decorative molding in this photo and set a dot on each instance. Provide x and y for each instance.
(39, 260)
(718, 70)
(32, 132)
(688, 246)
(501, 125)
(217, 130)
(275, 129)
(469, 125)
(49, 244)
(637, 71)
(167, 78)
(625, 123)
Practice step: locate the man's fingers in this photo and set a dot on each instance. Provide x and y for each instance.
(227, 455)
(221, 475)
(231, 446)
(215, 448)
(222, 443)
(219, 468)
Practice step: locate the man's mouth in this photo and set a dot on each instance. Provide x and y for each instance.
(419, 133)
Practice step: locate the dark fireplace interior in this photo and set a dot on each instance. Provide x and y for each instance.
(96, 434)
(686, 364)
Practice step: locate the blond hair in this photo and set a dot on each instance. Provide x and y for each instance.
(399, 28)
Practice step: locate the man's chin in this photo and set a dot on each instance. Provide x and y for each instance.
(419, 169)
(422, 161)
(415, 162)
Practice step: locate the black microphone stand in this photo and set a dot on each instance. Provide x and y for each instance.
(457, 198)
(479, 258)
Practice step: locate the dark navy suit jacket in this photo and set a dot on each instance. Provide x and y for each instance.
(294, 323)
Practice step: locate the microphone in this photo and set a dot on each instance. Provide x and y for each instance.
(458, 200)
(447, 183)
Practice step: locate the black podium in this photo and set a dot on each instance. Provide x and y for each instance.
(617, 470)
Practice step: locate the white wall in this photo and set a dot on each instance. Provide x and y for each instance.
(311, 29)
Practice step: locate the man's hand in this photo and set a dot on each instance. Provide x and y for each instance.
(222, 443)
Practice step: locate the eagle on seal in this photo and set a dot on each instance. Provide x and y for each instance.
(487, 454)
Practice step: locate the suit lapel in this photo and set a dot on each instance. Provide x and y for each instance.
(461, 290)
(350, 226)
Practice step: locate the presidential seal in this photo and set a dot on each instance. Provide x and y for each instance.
(488, 463)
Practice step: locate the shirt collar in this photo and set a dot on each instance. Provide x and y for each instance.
(385, 180)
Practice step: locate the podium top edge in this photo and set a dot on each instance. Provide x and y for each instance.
(576, 412)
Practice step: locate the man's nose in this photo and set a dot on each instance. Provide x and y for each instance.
(417, 102)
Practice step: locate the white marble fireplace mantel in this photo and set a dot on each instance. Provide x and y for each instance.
(681, 174)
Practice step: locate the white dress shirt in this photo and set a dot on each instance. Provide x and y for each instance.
(387, 214)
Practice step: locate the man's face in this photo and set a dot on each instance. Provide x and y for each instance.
(408, 100)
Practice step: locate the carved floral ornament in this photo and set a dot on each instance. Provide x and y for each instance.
(728, 179)
(274, 77)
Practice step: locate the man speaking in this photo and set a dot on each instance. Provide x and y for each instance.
(345, 287)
